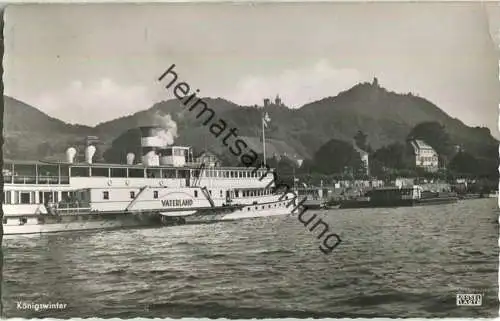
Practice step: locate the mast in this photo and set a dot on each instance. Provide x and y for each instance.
(264, 139)
(265, 120)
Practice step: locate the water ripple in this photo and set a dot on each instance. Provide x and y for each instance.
(407, 262)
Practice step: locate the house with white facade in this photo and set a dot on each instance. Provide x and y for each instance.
(425, 156)
(364, 158)
(208, 158)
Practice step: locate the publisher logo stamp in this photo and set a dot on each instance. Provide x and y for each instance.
(469, 299)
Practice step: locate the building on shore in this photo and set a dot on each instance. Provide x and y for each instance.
(425, 156)
(208, 158)
(364, 158)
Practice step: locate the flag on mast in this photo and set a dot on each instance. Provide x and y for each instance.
(266, 119)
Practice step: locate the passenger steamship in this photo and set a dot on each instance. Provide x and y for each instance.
(166, 187)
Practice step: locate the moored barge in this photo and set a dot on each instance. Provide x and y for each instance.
(399, 197)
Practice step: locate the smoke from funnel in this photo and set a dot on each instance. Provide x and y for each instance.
(165, 128)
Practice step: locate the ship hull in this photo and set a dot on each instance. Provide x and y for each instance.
(68, 227)
(243, 213)
(45, 223)
(396, 203)
(230, 213)
(41, 224)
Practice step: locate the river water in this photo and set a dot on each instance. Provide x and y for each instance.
(404, 262)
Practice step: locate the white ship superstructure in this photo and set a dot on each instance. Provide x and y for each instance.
(166, 187)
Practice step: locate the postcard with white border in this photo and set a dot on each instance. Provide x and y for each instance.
(250, 160)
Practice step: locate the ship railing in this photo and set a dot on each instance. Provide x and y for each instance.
(30, 179)
(193, 164)
(72, 210)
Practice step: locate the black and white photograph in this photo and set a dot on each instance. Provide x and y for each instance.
(246, 160)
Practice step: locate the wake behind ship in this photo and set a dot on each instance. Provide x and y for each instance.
(166, 187)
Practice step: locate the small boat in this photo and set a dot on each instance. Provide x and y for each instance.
(314, 204)
(398, 197)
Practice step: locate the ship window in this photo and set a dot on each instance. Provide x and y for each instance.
(100, 172)
(118, 172)
(179, 152)
(168, 173)
(195, 193)
(232, 174)
(248, 208)
(153, 173)
(136, 172)
(183, 173)
(105, 195)
(64, 170)
(155, 194)
(23, 220)
(220, 193)
(4, 220)
(132, 194)
(236, 193)
(25, 198)
(80, 172)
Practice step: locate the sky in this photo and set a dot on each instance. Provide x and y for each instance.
(92, 63)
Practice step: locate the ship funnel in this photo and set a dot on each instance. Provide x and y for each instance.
(70, 154)
(89, 153)
(151, 143)
(130, 158)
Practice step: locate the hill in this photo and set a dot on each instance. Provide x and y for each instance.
(385, 117)
(32, 134)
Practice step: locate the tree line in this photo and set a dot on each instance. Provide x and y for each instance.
(340, 159)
